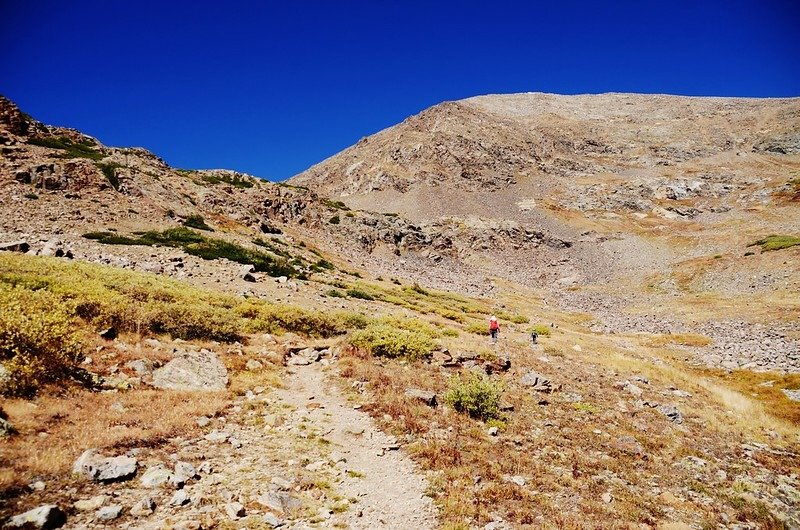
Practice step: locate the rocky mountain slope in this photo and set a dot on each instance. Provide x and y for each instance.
(303, 372)
(656, 199)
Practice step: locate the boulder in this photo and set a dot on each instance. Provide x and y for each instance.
(246, 273)
(193, 370)
(15, 246)
(537, 381)
(90, 504)
(103, 469)
(155, 476)
(426, 396)
(44, 517)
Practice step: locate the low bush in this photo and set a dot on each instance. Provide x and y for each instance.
(269, 318)
(335, 220)
(475, 395)
(204, 247)
(39, 343)
(357, 293)
(478, 328)
(31, 196)
(109, 170)
(335, 293)
(83, 149)
(197, 221)
(542, 330)
(775, 242)
(386, 340)
(237, 180)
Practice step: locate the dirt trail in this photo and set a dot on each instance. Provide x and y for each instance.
(389, 488)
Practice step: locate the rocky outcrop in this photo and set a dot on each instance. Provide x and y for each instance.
(192, 370)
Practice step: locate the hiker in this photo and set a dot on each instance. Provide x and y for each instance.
(494, 328)
(534, 336)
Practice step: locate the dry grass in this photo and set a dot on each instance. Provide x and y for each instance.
(55, 430)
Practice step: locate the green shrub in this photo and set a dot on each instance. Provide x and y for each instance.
(204, 247)
(269, 318)
(83, 149)
(335, 293)
(476, 395)
(38, 340)
(357, 293)
(542, 330)
(775, 242)
(385, 340)
(336, 205)
(520, 319)
(478, 328)
(334, 220)
(237, 180)
(197, 221)
(109, 169)
(31, 196)
(449, 332)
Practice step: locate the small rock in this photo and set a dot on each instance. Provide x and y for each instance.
(537, 382)
(90, 504)
(44, 517)
(271, 520)
(193, 370)
(144, 507)
(515, 479)
(202, 421)
(185, 470)
(492, 431)
(254, 365)
(577, 347)
(671, 412)
(607, 497)
(108, 513)
(235, 510)
(155, 476)
(38, 486)
(216, 436)
(181, 498)
(425, 396)
(105, 469)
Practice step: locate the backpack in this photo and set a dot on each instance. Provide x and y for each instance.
(493, 325)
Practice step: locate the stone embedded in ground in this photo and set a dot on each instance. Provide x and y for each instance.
(193, 370)
(141, 367)
(146, 506)
(180, 498)
(627, 445)
(515, 479)
(104, 469)
(109, 513)
(426, 396)
(235, 510)
(44, 517)
(793, 395)
(246, 273)
(279, 501)
(155, 476)
(254, 365)
(185, 470)
(15, 246)
(537, 382)
(6, 429)
(671, 412)
(90, 504)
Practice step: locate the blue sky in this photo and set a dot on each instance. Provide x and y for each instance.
(271, 88)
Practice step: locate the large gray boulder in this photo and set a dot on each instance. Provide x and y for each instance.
(44, 517)
(193, 370)
(15, 246)
(104, 469)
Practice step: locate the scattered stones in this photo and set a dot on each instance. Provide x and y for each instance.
(193, 370)
(425, 396)
(105, 469)
(44, 517)
(303, 357)
(538, 382)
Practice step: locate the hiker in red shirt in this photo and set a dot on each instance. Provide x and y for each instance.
(494, 328)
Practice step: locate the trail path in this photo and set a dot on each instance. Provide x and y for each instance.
(389, 488)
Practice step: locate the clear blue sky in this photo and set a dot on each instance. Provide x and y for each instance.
(271, 88)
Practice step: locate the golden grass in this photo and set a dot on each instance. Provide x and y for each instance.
(54, 431)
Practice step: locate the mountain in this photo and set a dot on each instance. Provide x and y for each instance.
(209, 349)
